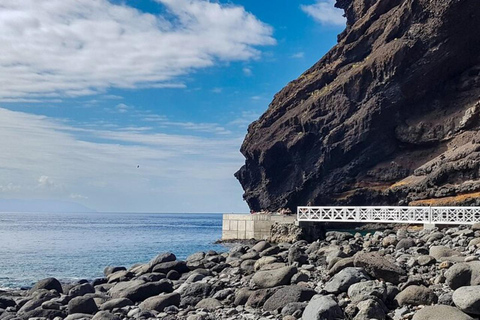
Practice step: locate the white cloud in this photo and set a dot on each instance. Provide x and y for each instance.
(324, 12)
(217, 90)
(122, 108)
(245, 118)
(247, 71)
(97, 167)
(74, 48)
(45, 182)
(206, 127)
(298, 55)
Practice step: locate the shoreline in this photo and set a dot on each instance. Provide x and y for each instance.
(389, 274)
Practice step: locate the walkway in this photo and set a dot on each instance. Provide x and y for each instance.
(420, 215)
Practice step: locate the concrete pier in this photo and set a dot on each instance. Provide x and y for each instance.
(251, 226)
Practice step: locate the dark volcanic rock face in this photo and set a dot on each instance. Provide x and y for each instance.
(389, 116)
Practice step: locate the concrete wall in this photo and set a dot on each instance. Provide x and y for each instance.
(248, 226)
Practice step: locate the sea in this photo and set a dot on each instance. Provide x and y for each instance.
(74, 246)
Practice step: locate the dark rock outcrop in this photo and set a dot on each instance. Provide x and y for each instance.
(390, 115)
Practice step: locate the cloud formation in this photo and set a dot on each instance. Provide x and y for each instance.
(45, 158)
(55, 48)
(324, 12)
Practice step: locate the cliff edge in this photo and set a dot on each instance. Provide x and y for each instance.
(390, 115)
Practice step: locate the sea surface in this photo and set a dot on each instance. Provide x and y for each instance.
(73, 246)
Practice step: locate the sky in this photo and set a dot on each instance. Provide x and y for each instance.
(142, 105)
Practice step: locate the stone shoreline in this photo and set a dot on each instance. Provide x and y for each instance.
(390, 274)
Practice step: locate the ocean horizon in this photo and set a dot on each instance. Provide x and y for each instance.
(74, 246)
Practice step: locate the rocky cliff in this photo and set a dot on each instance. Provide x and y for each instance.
(390, 115)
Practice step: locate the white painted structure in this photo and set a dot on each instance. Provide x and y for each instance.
(418, 215)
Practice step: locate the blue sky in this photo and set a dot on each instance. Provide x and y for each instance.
(142, 105)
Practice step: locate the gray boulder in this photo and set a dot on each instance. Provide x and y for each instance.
(440, 312)
(467, 299)
(379, 267)
(109, 270)
(78, 316)
(416, 295)
(463, 274)
(163, 257)
(286, 295)
(209, 304)
(105, 315)
(344, 279)
(293, 309)
(273, 278)
(370, 309)
(158, 303)
(138, 290)
(441, 253)
(372, 288)
(48, 284)
(6, 302)
(242, 295)
(260, 246)
(116, 303)
(38, 298)
(80, 290)
(340, 265)
(82, 304)
(322, 308)
(258, 297)
(405, 243)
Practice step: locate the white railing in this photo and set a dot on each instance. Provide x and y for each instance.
(430, 215)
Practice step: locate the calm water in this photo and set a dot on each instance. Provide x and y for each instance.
(76, 246)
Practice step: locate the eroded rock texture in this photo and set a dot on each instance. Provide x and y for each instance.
(390, 115)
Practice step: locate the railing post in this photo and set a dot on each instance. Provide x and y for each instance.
(357, 214)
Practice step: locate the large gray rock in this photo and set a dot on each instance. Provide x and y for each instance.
(340, 265)
(116, 303)
(372, 288)
(344, 279)
(105, 315)
(48, 284)
(416, 295)
(273, 278)
(440, 312)
(442, 253)
(138, 290)
(165, 267)
(158, 303)
(209, 304)
(258, 297)
(261, 245)
(286, 295)
(110, 269)
(197, 289)
(162, 257)
(37, 299)
(80, 290)
(463, 274)
(405, 243)
(263, 261)
(370, 309)
(467, 299)
(83, 304)
(6, 302)
(322, 308)
(242, 295)
(42, 313)
(379, 267)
